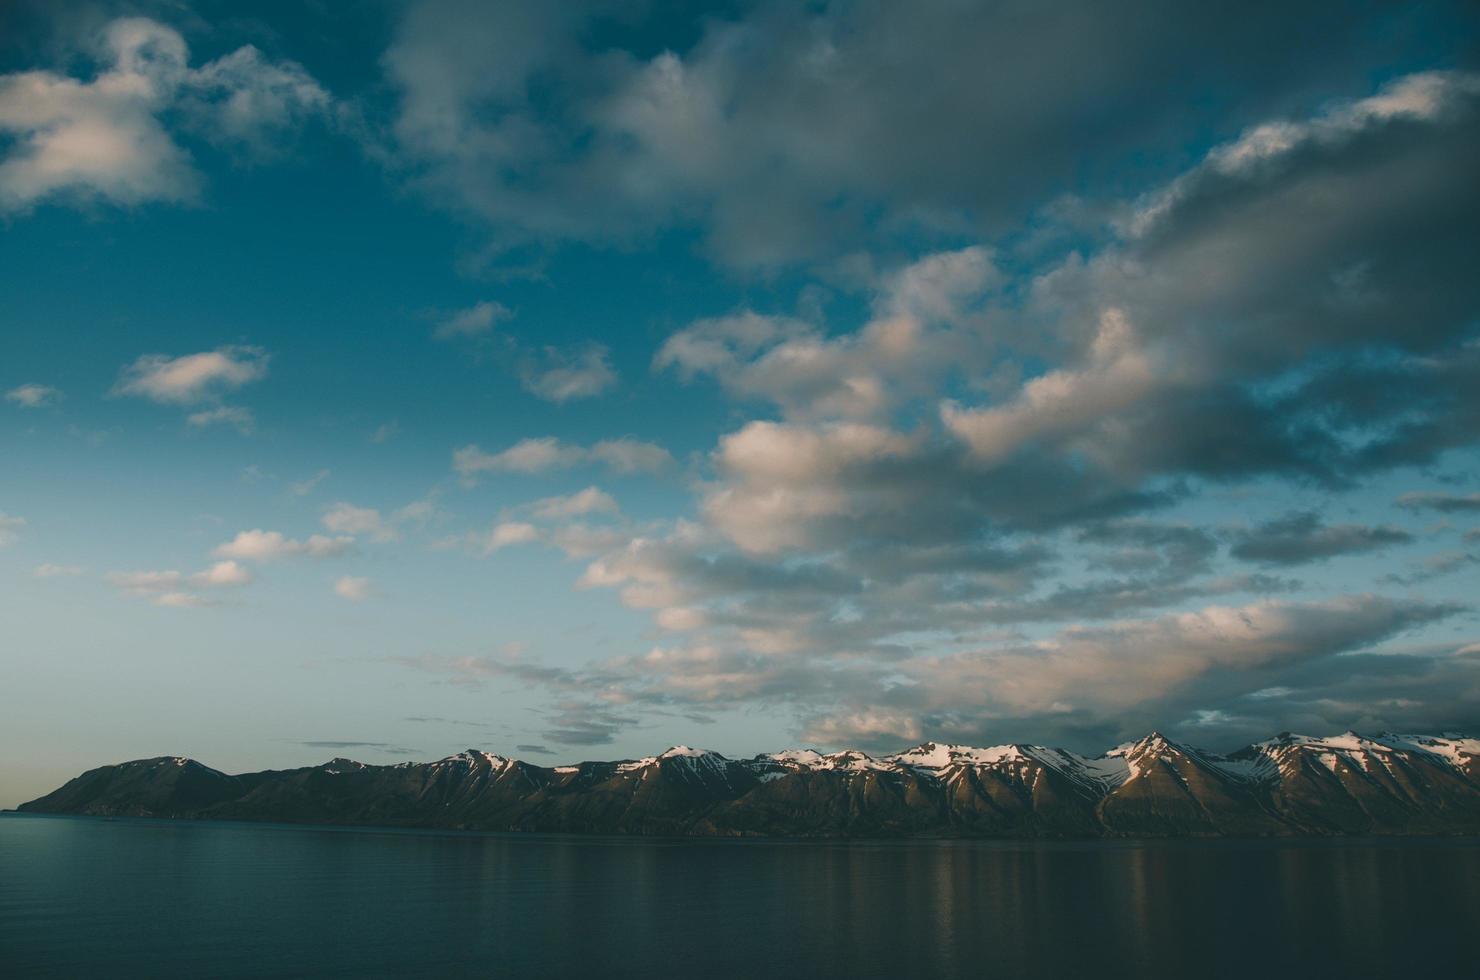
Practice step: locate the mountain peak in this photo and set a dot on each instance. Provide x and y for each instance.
(684, 751)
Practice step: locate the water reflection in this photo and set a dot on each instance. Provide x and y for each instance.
(141, 898)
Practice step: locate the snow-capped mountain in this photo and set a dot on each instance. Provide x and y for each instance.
(1151, 787)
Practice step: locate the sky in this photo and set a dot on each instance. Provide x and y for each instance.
(574, 380)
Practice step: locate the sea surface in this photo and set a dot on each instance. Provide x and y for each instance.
(88, 897)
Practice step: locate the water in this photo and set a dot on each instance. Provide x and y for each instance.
(82, 897)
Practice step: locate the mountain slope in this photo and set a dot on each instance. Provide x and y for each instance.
(1152, 787)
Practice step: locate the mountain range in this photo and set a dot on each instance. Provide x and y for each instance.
(1289, 785)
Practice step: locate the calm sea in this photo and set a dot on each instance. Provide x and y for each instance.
(84, 897)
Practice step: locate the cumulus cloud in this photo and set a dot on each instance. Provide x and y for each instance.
(193, 378)
(786, 133)
(33, 395)
(560, 376)
(474, 321)
(346, 519)
(106, 138)
(1065, 402)
(923, 329)
(542, 455)
(264, 546)
(507, 534)
(974, 459)
(177, 589)
(353, 588)
(591, 500)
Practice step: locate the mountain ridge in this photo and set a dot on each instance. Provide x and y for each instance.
(1289, 785)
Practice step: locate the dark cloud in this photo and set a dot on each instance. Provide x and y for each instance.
(1447, 503)
(1301, 537)
(1432, 567)
(422, 719)
(784, 131)
(534, 749)
(384, 748)
(1001, 438)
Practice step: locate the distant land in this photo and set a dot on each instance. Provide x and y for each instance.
(1290, 785)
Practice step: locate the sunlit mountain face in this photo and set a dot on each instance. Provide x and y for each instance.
(569, 380)
(1152, 787)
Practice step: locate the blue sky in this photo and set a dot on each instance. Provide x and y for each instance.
(571, 382)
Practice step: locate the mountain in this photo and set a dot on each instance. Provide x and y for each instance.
(1152, 787)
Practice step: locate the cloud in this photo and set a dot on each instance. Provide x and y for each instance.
(1432, 567)
(533, 749)
(974, 458)
(782, 133)
(922, 328)
(352, 588)
(1063, 402)
(10, 528)
(49, 570)
(244, 101)
(347, 519)
(592, 500)
(1448, 503)
(385, 748)
(1300, 537)
(627, 455)
(548, 453)
(561, 376)
(474, 321)
(241, 418)
(385, 432)
(223, 573)
(1122, 677)
(263, 546)
(507, 534)
(33, 395)
(192, 377)
(303, 488)
(173, 588)
(106, 138)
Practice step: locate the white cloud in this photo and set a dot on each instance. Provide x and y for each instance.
(922, 328)
(49, 570)
(474, 321)
(223, 573)
(353, 588)
(592, 500)
(173, 588)
(33, 395)
(246, 100)
(507, 534)
(1064, 402)
(192, 377)
(260, 545)
(346, 518)
(561, 376)
(10, 527)
(180, 600)
(780, 480)
(104, 139)
(241, 418)
(547, 453)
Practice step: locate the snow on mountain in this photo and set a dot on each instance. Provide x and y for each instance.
(1154, 786)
